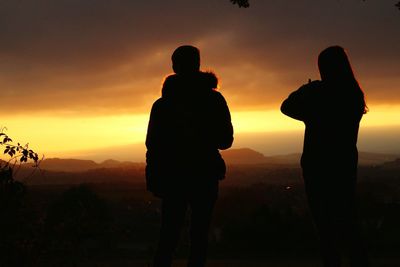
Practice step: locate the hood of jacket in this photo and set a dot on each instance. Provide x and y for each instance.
(177, 85)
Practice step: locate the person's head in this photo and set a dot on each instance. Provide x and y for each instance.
(334, 65)
(335, 68)
(186, 59)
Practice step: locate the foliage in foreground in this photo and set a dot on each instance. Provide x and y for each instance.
(14, 232)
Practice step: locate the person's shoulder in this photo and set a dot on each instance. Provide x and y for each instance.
(159, 103)
(310, 89)
(170, 78)
(170, 82)
(218, 97)
(312, 85)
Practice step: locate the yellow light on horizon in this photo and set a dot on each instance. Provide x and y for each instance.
(57, 135)
(275, 121)
(52, 135)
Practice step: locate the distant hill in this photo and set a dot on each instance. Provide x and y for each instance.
(364, 158)
(80, 165)
(245, 167)
(245, 156)
(392, 165)
(249, 156)
(69, 165)
(368, 158)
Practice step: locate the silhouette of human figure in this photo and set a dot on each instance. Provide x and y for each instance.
(188, 125)
(331, 110)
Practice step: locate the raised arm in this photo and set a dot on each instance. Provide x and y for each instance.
(299, 103)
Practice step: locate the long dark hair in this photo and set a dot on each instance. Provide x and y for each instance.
(335, 69)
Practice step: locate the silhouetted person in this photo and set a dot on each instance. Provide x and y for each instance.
(188, 125)
(331, 110)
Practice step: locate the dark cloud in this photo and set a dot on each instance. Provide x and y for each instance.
(110, 56)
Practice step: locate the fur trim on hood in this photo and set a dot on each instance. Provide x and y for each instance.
(176, 84)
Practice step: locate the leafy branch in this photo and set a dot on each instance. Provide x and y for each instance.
(17, 153)
(241, 3)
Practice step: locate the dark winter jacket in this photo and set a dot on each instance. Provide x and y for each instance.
(187, 127)
(331, 115)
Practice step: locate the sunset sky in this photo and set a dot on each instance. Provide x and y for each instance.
(78, 77)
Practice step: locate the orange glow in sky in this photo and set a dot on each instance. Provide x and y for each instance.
(58, 136)
(81, 77)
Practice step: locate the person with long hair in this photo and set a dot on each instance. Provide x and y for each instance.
(331, 110)
(188, 126)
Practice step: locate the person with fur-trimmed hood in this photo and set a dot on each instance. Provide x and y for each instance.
(188, 126)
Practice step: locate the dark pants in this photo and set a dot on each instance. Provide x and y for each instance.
(332, 203)
(173, 211)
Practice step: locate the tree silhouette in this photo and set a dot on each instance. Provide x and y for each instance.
(245, 3)
(241, 3)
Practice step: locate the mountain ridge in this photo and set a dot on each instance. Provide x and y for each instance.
(241, 156)
(254, 168)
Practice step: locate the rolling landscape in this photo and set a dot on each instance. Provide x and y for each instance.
(257, 168)
(99, 214)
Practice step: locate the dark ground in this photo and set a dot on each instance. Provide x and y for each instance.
(260, 224)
